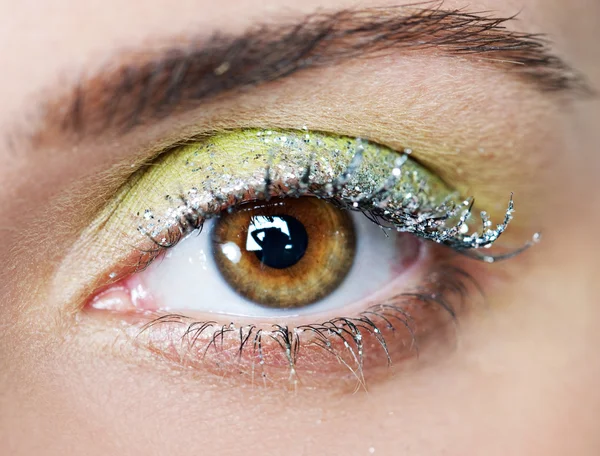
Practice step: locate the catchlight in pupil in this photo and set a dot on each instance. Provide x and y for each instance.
(278, 241)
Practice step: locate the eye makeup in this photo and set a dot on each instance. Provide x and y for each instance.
(201, 179)
(220, 174)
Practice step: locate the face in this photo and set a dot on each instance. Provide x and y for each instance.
(330, 227)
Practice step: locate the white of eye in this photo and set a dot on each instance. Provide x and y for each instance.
(187, 279)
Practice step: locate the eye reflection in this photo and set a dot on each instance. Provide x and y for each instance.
(279, 241)
(286, 253)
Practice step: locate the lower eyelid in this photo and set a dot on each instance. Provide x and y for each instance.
(280, 355)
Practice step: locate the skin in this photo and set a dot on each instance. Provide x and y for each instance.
(523, 377)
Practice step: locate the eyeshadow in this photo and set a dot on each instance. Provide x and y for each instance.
(258, 164)
(201, 179)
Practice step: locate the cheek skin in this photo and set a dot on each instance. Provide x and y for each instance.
(515, 385)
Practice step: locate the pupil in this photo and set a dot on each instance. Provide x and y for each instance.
(278, 241)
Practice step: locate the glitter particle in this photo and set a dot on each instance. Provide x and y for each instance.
(222, 69)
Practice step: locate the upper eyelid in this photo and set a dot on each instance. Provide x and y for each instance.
(452, 212)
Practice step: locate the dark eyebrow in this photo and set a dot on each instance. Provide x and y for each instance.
(151, 86)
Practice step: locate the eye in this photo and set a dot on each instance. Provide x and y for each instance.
(288, 248)
(283, 258)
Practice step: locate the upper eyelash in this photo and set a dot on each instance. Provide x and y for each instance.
(413, 215)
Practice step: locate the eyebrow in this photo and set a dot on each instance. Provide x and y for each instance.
(149, 87)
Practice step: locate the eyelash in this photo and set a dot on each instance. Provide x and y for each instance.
(391, 190)
(426, 222)
(447, 289)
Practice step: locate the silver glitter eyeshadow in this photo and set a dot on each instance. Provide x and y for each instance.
(392, 189)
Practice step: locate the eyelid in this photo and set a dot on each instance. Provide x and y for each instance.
(358, 175)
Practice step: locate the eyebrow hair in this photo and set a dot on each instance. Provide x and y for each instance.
(151, 87)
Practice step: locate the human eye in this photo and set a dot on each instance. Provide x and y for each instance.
(290, 253)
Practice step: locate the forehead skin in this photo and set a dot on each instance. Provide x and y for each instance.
(524, 383)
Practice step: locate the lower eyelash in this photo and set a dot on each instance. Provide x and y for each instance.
(351, 341)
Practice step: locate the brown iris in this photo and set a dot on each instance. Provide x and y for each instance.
(284, 253)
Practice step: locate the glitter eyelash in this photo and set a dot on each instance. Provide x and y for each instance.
(409, 211)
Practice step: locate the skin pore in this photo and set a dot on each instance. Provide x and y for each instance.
(522, 378)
